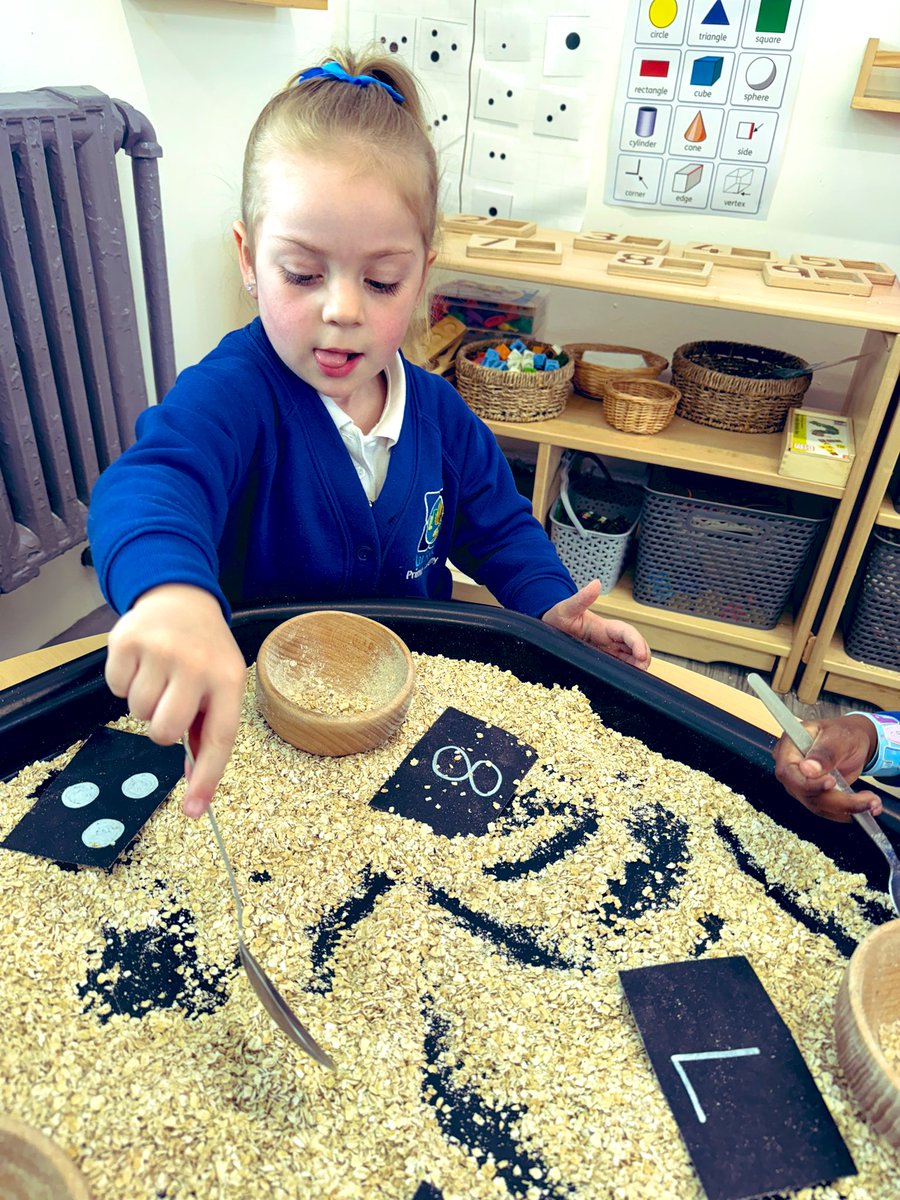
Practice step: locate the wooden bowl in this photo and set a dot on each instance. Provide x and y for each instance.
(869, 997)
(333, 682)
(32, 1167)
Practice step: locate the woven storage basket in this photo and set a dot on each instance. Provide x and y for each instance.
(590, 554)
(640, 405)
(591, 378)
(726, 550)
(729, 385)
(511, 395)
(873, 631)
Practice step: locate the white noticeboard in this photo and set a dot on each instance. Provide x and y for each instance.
(702, 104)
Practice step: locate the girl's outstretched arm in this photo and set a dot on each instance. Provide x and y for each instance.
(173, 657)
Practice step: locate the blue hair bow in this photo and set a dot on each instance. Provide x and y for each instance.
(333, 71)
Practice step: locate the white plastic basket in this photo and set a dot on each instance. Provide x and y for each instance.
(590, 554)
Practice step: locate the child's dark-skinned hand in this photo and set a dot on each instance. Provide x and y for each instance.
(844, 744)
(174, 658)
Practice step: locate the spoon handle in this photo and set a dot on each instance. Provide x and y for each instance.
(189, 754)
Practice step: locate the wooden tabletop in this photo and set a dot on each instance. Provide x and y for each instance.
(722, 695)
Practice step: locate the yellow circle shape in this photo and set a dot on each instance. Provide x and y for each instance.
(663, 12)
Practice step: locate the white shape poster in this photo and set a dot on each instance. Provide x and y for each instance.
(703, 104)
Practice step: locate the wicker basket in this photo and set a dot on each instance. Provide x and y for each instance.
(729, 385)
(511, 395)
(591, 378)
(640, 405)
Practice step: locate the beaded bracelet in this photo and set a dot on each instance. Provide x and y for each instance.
(886, 759)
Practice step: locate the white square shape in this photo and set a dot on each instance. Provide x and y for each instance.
(506, 36)
(443, 46)
(498, 97)
(558, 113)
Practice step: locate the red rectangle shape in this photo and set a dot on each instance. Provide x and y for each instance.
(657, 68)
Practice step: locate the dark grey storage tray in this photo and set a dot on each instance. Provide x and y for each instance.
(42, 716)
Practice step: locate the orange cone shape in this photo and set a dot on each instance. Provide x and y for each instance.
(696, 131)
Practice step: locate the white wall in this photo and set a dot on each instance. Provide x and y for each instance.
(201, 70)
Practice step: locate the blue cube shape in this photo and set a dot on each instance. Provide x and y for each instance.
(706, 70)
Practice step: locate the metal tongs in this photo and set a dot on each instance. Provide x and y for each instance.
(272, 1000)
(803, 740)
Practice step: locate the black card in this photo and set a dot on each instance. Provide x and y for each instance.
(95, 806)
(748, 1109)
(458, 777)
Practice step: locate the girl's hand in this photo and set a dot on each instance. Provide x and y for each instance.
(574, 617)
(842, 743)
(173, 656)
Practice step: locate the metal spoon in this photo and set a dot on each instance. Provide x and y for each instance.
(793, 372)
(272, 1000)
(803, 740)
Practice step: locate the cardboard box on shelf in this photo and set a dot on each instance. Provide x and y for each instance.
(818, 446)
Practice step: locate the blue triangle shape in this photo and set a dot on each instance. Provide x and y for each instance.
(716, 15)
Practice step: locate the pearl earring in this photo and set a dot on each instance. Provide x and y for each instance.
(251, 287)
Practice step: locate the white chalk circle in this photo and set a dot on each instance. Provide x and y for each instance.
(105, 832)
(761, 74)
(80, 795)
(136, 787)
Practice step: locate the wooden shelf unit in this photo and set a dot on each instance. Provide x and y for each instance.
(684, 444)
(829, 666)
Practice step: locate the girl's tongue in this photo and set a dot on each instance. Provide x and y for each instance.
(335, 362)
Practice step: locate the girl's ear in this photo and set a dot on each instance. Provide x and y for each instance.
(245, 258)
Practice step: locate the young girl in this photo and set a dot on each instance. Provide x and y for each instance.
(304, 459)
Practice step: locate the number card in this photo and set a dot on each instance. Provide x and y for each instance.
(747, 1107)
(458, 777)
(97, 805)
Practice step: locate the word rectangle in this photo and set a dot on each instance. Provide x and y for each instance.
(746, 1104)
(459, 777)
(97, 804)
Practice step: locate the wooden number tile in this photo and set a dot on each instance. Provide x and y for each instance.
(472, 223)
(523, 249)
(729, 256)
(816, 279)
(612, 243)
(658, 266)
(875, 272)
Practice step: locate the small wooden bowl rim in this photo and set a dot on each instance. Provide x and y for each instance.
(874, 1082)
(358, 726)
(40, 1146)
(868, 948)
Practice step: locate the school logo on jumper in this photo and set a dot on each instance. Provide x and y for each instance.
(434, 515)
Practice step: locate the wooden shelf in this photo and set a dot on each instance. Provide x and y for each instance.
(753, 458)
(730, 287)
(750, 457)
(851, 677)
(881, 94)
(678, 633)
(888, 515)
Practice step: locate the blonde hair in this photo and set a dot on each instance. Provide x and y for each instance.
(316, 115)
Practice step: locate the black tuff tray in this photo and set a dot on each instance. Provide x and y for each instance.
(40, 717)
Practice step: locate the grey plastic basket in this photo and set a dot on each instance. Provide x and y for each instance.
(873, 631)
(590, 554)
(729, 552)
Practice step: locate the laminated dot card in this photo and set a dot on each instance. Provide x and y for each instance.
(95, 807)
(458, 777)
(748, 1108)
